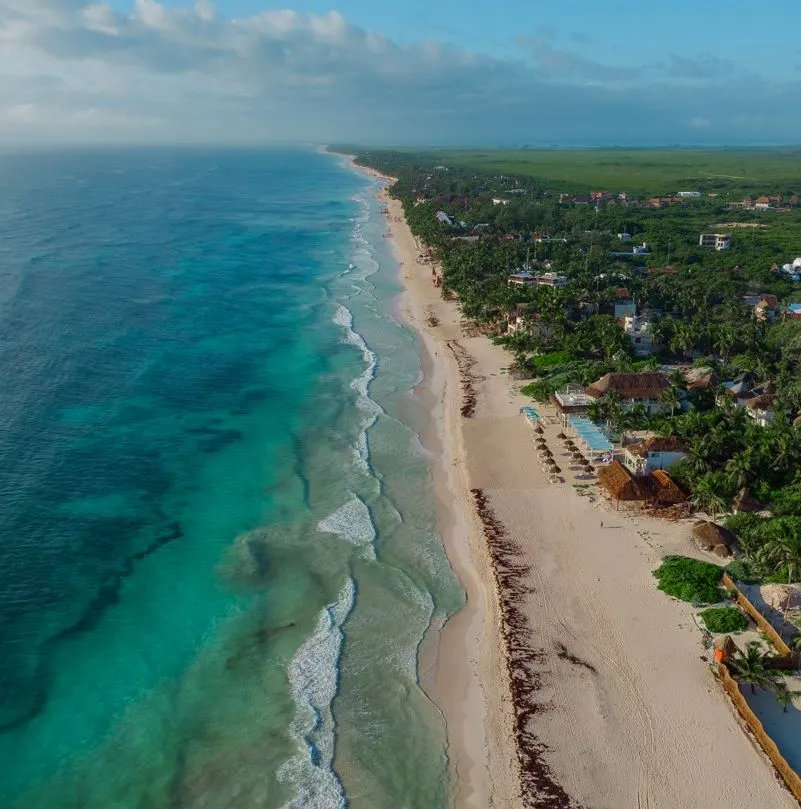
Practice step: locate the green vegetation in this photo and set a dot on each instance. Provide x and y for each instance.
(749, 666)
(740, 571)
(635, 171)
(562, 212)
(689, 580)
(720, 620)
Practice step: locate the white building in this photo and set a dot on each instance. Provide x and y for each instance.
(689, 194)
(551, 279)
(499, 201)
(624, 237)
(642, 250)
(653, 453)
(638, 330)
(444, 218)
(720, 241)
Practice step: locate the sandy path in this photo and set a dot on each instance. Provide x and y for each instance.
(632, 716)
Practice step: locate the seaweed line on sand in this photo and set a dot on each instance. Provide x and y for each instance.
(465, 363)
(538, 786)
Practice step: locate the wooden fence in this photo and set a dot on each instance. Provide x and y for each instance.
(765, 626)
(788, 774)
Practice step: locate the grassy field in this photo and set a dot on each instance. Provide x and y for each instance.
(641, 171)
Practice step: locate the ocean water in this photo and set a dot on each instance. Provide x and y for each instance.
(218, 553)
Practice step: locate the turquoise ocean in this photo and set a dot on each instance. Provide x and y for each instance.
(218, 549)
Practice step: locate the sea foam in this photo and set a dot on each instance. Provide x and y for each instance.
(372, 410)
(353, 523)
(314, 676)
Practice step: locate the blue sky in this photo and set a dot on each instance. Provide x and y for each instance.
(452, 71)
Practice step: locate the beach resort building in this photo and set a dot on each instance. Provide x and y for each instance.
(756, 401)
(657, 452)
(638, 330)
(718, 241)
(523, 279)
(632, 389)
(572, 401)
(524, 320)
(551, 279)
(793, 311)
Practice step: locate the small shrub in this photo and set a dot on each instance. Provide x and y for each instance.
(719, 620)
(552, 360)
(740, 570)
(689, 580)
(539, 390)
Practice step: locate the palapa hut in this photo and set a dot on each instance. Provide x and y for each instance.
(620, 483)
(709, 536)
(744, 502)
(643, 389)
(664, 491)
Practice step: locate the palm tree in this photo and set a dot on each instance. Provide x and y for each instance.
(725, 338)
(639, 416)
(685, 337)
(784, 696)
(621, 421)
(783, 550)
(710, 494)
(670, 400)
(596, 411)
(749, 666)
(741, 467)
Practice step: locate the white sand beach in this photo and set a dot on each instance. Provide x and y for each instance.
(628, 713)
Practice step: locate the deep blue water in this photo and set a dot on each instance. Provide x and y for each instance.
(188, 497)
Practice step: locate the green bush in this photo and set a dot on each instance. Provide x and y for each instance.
(740, 570)
(689, 580)
(539, 390)
(551, 360)
(720, 620)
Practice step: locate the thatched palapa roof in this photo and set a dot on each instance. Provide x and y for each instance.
(657, 443)
(620, 483)
(744, 502)
(629, 386)
(710, 536)
(664, 490)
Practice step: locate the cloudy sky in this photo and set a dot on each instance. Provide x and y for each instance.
(401, 71)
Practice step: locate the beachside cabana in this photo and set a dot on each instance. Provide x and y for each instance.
(589, 436)
(620, 483)
(709, 536)
(664, 491)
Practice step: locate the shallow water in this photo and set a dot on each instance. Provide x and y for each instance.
(219, 554)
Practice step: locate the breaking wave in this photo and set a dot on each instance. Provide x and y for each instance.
(314, 677)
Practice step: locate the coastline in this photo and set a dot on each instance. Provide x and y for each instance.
(474, 698)
(599, 648)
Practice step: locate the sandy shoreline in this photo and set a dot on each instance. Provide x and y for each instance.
(623, 711)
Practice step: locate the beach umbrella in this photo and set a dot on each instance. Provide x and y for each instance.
(556, 469)
(548, 453)
(539, 429)
(561, 436)
(541, 441)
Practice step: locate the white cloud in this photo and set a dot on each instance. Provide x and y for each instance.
(21, 114)
(189, 73)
